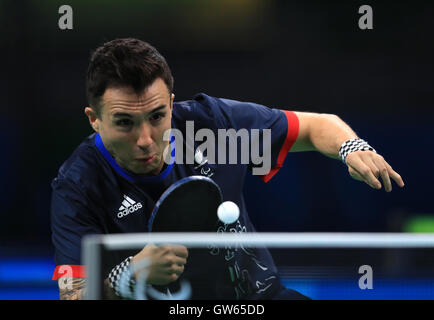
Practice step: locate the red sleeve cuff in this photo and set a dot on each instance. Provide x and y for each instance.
(291, 136)
(66, 270)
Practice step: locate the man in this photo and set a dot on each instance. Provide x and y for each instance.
(122, 165)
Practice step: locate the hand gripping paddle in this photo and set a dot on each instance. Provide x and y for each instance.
(188, 205)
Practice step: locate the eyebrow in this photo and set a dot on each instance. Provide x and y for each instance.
(122, 115)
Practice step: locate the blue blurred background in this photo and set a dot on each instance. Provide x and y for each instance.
(297, 55)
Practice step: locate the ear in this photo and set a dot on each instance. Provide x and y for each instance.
(172, 98)
(93, 118)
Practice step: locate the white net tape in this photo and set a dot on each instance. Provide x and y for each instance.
(276, 240)
(142, 291)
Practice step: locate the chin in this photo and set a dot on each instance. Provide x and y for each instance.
(148, 171)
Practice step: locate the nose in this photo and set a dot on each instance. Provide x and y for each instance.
(144, 140)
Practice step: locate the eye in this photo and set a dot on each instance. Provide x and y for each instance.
(156, 117)
(124, 122)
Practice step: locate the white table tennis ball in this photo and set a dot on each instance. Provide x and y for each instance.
(198, 157)
(228, 212)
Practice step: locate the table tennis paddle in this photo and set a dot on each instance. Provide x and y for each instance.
(188, 205)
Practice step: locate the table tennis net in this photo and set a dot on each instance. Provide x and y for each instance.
(321, 266)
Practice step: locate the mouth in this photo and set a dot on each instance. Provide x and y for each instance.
(147, 160)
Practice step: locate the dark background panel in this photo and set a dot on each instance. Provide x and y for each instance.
(297, 55)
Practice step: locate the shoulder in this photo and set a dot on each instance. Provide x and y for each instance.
(81, 167)
(215, 113)
(221, 112)
(201, 109)
(78, 188)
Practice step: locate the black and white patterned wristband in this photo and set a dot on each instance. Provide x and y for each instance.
(353, 145)
(121, 270)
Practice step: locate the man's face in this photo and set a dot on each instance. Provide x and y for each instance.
(131, 126)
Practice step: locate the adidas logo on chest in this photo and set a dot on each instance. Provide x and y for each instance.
(128, 206)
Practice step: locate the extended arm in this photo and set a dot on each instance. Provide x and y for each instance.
(326, 133)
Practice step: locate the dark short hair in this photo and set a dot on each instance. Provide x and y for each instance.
(125, 62)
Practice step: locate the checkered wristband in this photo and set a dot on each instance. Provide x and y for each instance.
(353, 145)
(121, 270)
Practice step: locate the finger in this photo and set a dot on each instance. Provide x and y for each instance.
(176, 269)
(394, 175)
(382, 171)
(171, 260)
(354, 174)
(173, 277)
(172, 270)
(151, 246)
(379, 171)
(365, 172)
(358, 176)
(163, 278)
(180, 251)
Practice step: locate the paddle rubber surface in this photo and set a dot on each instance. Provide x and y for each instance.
(188, 205)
